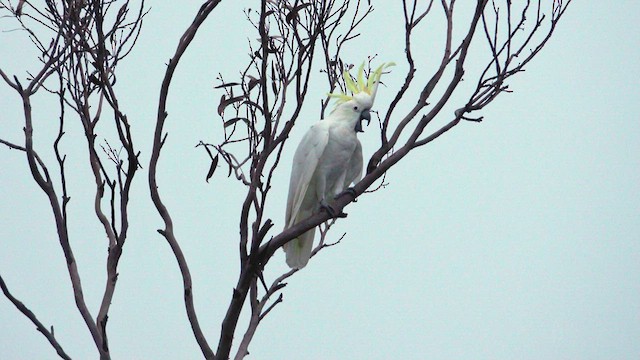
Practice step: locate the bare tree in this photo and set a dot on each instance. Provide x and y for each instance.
(82, 42)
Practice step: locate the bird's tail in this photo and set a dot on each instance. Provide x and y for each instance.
(298, 250)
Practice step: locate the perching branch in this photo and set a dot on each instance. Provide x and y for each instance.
(261, 307)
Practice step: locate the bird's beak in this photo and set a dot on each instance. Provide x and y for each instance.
(365, 115)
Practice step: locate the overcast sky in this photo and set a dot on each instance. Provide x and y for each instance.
(514, 238)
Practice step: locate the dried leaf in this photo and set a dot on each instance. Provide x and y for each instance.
(235, 120)
(252, 82)
(253, 104)
(274, 87)
(122, 13)
(220, 105)
(227, 85)
(228, 159)
(224, 102)
(294, 12)
(212, 168)
(95, 80)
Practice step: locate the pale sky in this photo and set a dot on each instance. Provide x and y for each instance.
(514, 238)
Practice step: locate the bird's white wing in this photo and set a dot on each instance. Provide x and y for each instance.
(354, 169)
(305, 161)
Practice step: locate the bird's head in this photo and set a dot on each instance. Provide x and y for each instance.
(363, 93)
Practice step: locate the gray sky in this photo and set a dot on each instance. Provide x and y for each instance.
(515, 238)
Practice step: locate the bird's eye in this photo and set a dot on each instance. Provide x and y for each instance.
(355, 108)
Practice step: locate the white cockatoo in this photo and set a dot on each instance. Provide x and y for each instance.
(328, 160)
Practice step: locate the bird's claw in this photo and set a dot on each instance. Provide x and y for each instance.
(326, 207)
(331, 211)
(351, 191)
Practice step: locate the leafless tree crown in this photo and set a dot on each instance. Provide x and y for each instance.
(81, 43)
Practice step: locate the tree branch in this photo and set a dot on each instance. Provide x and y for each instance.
(158, 141)
(29, 314)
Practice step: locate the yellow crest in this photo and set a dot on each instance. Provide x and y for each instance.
(360, 85)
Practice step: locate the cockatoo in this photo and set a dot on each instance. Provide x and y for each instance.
(328, 160)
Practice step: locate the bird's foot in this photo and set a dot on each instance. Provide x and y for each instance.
(331, 211)
(351, 191)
